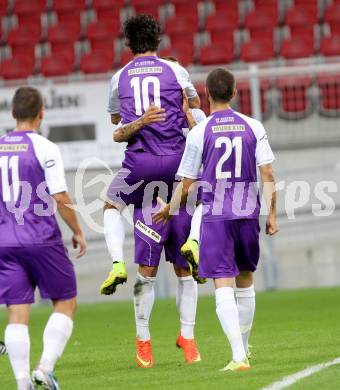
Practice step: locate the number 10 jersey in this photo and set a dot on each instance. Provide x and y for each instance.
(150, 80)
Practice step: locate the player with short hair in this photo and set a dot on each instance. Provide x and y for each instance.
(32, 252)
(147, 95)
(229, 146)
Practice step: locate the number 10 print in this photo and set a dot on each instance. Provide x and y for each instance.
(142, 100)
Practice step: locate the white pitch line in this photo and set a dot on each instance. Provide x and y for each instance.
(291, 379)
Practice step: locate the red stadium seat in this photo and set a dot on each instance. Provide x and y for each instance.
(182, 8)
(56, 65)
(68, 12)
(200, 88)
(244, 98)
(102, 34)
(97, 62)
(312, 5)
(267, 6)
(19, 67)
(108, 9)
(188, 43)
(96, 4)
(257, 51)
(294, 100)
(230, 7)
(221, 37)
(29, 12)
(183, 52)
(216, 23)
(261, 24)
(125, 57)
(23, 39)
(142, 2)
(297, 47)
(63, 37)
(329, 102)
(147, 9)
(3, 7)
(301, 20)
(182, 25)
(217, 54)
(330, 46)
(332, 17)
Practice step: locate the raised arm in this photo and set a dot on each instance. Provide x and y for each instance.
(268, 180)
(152, 114)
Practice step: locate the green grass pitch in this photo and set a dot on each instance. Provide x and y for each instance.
(292, 330)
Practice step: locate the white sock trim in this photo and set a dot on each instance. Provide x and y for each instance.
(17, 341)
(114, 232)
(247, 292)
(224, 294)
(149, 279)
(195, 230)
(186, 302)
(185, 278)
(144, 297)
(57, 332)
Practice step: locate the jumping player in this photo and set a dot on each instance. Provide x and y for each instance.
(32, 252)
(230, 146)
(153, 155)
(145, 81)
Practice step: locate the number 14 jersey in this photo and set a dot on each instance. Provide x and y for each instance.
(150, 80)
(229, 146)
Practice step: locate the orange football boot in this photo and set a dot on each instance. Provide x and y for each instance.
(189, 348)
(144, 353)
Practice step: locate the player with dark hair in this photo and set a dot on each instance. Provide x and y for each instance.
(32, 252)
(229, 146)
(146, 96)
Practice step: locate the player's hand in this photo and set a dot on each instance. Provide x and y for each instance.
(271, 226)
(163, 215)
(153, 114)
(78, 240)
(185, 106)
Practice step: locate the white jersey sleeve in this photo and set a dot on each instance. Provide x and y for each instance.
(191, 162)
(182, 77)
(49, 156)
(264, 153)
(198, 115)
(114, 102)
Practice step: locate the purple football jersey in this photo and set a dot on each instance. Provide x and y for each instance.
(151, 80)
(26, 210)
(230, 146)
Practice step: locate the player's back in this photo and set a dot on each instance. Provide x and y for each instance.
(150, 80)
(27, 174)
(230, 159)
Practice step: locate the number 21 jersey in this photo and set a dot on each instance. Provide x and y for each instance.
(230, 146)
